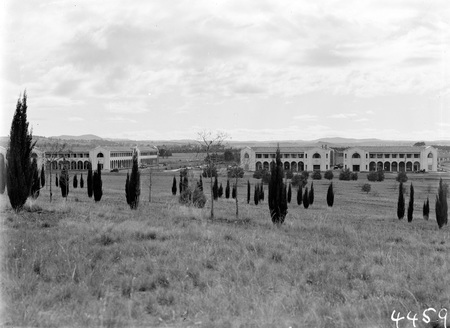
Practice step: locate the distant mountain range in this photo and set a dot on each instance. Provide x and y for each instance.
(329, 141)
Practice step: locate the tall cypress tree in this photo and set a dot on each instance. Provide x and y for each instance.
(256, 195)
(277, 192)
(233, 192)
(200, 184)
(411, 203)
(42, 177)
(90, 181)
(306, 198)
(174, 186)
(75, 181)
(97, 183)
(18, 157)
(134, 185)
(220, 192)
(299, 195)
(2, 174)
(400, 202)
(227, 190)
(289, 195)
(127, 183)
(81, 181)
(261, 192)
(215, 188)
(64, 182)
(36, 183)
(57, 180)
(311, 194)
(248, 191)
(441, 208)
(426, 209)
(330, 195)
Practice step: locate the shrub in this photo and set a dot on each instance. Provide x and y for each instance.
(345, 175)
(208, 171)
(299, 180)
(366, 188)
(354, 176)
(376, 176)
(185, 196)
(328, 175)
(262, 174)
(401, 177)
(289, 174)
(316, 175)
(198, 198)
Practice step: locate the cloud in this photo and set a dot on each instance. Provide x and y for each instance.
(343, 115)
(306, 117)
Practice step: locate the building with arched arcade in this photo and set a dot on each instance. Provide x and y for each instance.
(391, 158)
(293, 158)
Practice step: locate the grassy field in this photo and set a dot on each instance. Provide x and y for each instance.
(85, 264)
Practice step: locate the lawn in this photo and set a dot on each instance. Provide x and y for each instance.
(86, 264)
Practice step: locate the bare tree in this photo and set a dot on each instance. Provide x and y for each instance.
(211, 144)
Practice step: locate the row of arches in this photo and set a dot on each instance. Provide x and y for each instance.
(289, 166)
(123, 163)
(394, 166)
(72, 165)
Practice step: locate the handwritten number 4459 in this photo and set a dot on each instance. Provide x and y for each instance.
(442, 315)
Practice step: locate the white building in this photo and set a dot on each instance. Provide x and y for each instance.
(391, 158)
(293, 158)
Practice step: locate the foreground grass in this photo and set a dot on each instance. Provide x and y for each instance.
(78, 263)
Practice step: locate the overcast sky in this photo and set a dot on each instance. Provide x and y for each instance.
(256, 70)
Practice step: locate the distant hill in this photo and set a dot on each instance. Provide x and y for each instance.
(82, 137)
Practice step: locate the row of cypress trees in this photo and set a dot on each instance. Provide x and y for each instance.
(441, 208)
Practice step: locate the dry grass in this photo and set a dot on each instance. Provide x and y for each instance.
(78, 263)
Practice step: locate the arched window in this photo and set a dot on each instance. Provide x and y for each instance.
(100, 155)
(316, 155)
(246, 155)
(356, 155)
(430, 155)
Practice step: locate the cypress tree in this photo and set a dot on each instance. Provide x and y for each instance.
(90, 181)
(36, 183)
(426, 209)
(185, 183)
(216, 188)
(64, 182)
(134, 184)
(42, 177)
(400, 202)
(227, 190)
(200, 184)
(411, 203)
(299, 195)
(289, 195)
(261, 192)
(2, 174)
(277, 192)
(75, 181)
(57, 180)
(311, 194)
(18, 157)
(248, 191)
(174, 186)
(306, 198)
(256, 195)
(441, 208)
(233, 192)
(330, 195)
(81, 181)
(181, 183)
(97, 184)
(127, 183)
(220, 193)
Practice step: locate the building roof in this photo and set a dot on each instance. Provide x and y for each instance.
(391, 149)
(285, 149)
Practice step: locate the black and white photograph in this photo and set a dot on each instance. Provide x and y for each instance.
(225, 163)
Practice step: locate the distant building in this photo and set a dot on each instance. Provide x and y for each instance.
(293, 158)
(391, 158)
